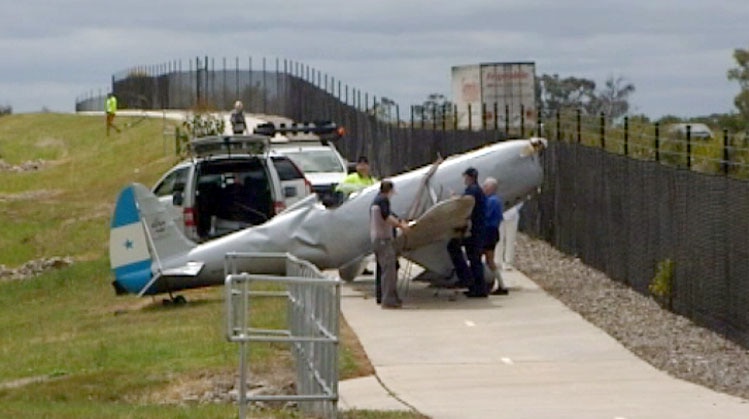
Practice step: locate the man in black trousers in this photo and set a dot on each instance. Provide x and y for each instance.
(472, 278)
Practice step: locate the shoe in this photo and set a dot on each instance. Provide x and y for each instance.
(366, 271)
(495, 286)
(500, 291)
(391, 306)
(471, 294)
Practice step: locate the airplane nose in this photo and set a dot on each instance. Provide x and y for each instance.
(536, 145)
(539, 143)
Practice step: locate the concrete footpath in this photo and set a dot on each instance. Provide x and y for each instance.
(524, 355)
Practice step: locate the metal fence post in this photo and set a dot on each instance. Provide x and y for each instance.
(483, 116)
(507, 120)
(455, 118)
(578, 126)
(559, 125)
(470, 118)
(522, 121)
(236, 78)
(726, 156)
(496, 117)
(657, 142)
(626, 135)
(689, 146)
(444, 106)
(539, 125)
(603, 130)
(197, 81)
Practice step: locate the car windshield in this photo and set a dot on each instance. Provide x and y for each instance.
(316, 161)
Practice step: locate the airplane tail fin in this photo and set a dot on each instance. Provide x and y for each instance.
(142, 234)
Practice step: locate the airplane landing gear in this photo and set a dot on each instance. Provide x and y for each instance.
(177, 300)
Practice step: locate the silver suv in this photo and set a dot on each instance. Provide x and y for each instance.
(229, 183)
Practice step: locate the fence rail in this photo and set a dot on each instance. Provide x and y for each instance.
(313, 310)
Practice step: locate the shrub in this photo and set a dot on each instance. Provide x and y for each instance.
(661, 286)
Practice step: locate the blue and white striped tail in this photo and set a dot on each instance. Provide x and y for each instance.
(129, 254)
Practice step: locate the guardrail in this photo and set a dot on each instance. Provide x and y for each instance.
(314, 302)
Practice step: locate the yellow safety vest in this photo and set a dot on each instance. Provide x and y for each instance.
(111, 104)
(354, 182)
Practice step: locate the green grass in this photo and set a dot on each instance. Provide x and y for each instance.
(706, 154)
(70, 348)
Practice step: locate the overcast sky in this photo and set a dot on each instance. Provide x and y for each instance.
(675, 52)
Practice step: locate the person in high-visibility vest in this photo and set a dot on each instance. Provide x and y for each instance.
(111, 110)
(358, 180)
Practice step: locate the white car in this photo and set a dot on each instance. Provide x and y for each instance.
(323, 166)
(231, 182)
(313, 151)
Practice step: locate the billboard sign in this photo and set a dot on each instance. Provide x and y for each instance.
(510, 88)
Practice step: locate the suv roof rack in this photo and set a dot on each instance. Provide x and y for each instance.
(229, 144)
(322, 131)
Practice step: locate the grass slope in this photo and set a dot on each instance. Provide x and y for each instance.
(69, 347)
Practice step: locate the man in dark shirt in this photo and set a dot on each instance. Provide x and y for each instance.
(472, 278)
(238, 123)
(381, 224)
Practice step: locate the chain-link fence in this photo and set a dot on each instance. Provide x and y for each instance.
(625, 216)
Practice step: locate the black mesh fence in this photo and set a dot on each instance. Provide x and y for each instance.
(625, 216)
(374, 127)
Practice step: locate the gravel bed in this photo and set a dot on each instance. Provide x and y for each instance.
(667, 341)
(34, 268)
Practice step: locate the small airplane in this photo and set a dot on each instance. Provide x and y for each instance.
(149, 255)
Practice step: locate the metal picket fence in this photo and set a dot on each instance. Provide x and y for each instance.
(313, 308)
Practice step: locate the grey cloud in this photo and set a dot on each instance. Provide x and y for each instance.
(400, 49)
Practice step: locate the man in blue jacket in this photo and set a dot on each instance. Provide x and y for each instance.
(472, 278)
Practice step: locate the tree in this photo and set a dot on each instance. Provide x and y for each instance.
(6, 110)
(557, 94)
(434, 109)
(613, 99)
(385, 110)
(741, 75)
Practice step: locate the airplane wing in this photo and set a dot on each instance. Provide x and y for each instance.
(442, 221)
(426, 241)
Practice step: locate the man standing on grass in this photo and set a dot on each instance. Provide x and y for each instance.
(111, 110)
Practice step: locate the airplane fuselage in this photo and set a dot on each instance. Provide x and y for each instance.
(331, 237)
